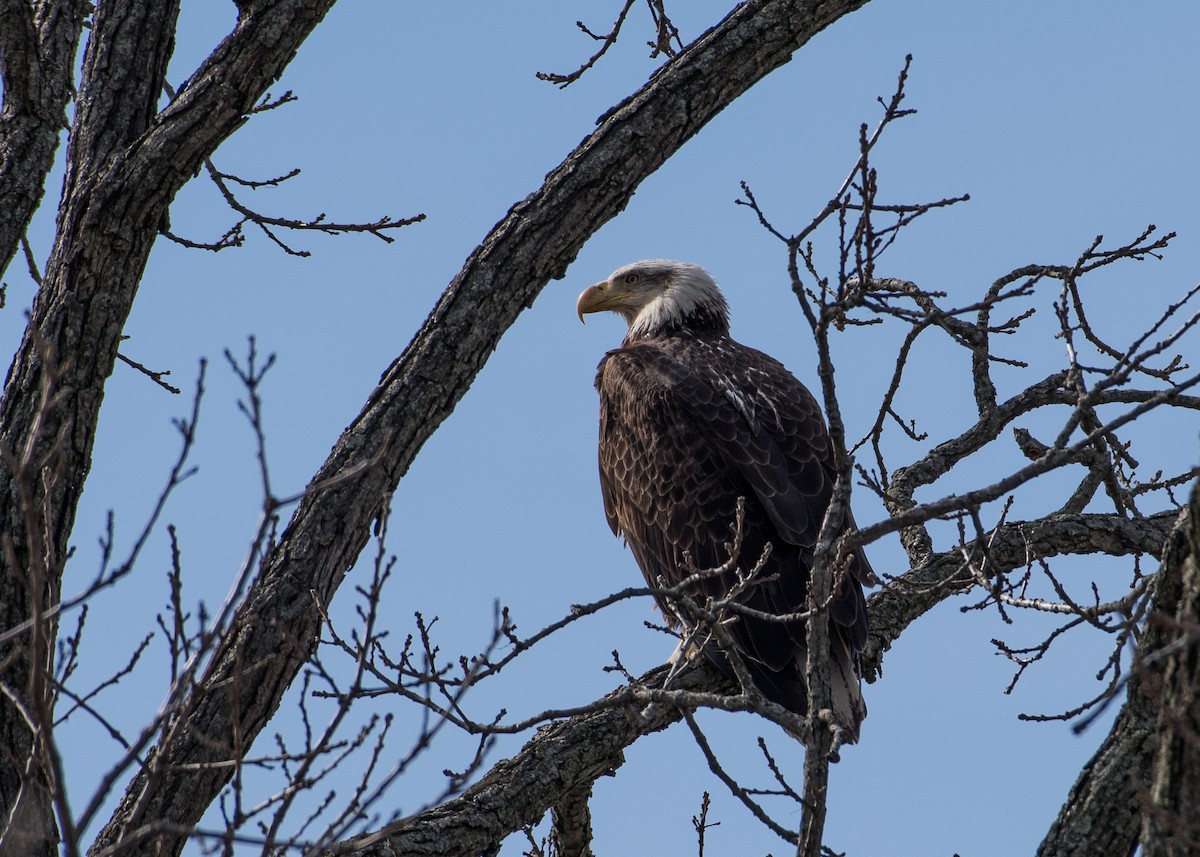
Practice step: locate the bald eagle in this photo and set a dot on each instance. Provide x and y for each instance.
(691, 421)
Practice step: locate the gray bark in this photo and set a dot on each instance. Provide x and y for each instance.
(125, 164)
(944, 574)
(571, 825)
(1105, 811)
(1172, 816)
(1101, 816)
(37, 49)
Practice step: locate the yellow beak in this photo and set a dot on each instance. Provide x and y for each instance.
(598, 298)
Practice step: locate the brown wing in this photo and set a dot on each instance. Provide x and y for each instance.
(687, 427)
(770, 428)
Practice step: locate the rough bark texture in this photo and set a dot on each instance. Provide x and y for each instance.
(37, 49)
(564, 758)
(1172, 819)
(47, 431)
(276, 628)
(917, 591)
(571, 825)
(1103, 814)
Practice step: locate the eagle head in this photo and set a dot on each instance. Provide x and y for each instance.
(659, 296)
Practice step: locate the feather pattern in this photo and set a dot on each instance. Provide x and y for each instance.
(691, 421)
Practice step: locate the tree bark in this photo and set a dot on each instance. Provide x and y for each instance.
(124, 166)
(916, 592)
(571, 825)
(1104, 814)
(53, 390)
(1172, 817)
(1101, 816)
(37, 51)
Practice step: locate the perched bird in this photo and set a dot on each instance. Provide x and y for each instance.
(691, 421)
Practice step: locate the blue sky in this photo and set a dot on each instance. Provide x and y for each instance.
(1062, 121)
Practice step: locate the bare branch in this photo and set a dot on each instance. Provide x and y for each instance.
(666, 40)
(156, 377)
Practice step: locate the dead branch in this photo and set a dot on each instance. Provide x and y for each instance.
(666, 41)
(234, 236)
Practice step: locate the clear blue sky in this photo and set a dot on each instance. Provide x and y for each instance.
(1062, 120)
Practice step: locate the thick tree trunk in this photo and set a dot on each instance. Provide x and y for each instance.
(1172, 817)
(1105, 813)
(1101, 816)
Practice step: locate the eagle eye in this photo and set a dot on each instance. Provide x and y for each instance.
(630, 279)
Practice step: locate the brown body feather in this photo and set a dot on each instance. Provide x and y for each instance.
(690, 421)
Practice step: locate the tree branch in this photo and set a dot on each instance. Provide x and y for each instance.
(1103, 814)
(1171, 824)
(563, 759)
(571, 825)
(1010, 546)
(37, 52)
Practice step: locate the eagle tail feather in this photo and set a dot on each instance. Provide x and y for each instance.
(788, 687)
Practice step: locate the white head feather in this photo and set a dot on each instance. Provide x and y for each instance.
(684, 289)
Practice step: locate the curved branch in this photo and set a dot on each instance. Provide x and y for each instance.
(36, 54)
(1011, 546)
(565, 758)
